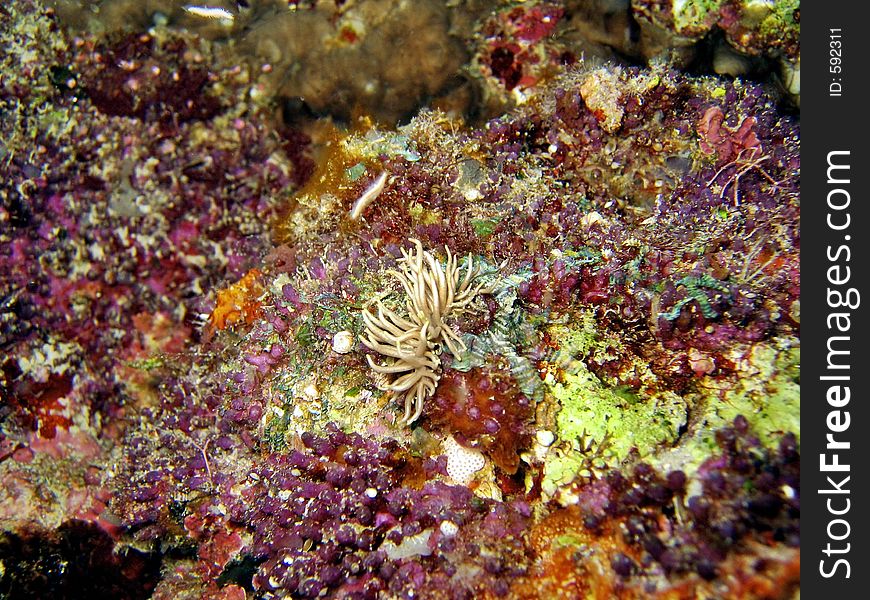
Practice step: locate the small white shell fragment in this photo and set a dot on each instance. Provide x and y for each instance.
(415, 545)
(342, 342)
(472, 194)
(545, 438)
(311, 392)
(462, 462)
(448, 528)
(590, 219)
(568, 498)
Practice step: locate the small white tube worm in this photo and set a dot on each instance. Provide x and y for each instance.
(372, 192)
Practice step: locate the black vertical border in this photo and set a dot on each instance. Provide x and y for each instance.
(834, 123)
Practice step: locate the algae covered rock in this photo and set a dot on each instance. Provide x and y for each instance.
(192, 265)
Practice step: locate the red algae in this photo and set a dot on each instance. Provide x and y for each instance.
(484, 409)
(239, 303)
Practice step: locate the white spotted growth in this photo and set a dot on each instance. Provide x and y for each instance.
(462, 463)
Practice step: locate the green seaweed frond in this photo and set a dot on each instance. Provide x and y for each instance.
(695, 292)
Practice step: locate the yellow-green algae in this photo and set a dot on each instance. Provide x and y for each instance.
(590, 408)
(776, 19)
(691, 17)
(765, 389)
(597, 413)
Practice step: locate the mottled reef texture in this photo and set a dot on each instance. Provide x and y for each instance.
(196, 215)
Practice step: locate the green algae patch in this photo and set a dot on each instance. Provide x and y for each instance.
(583, 339)
(777, 19)
(484, 227)
(766, 391)
(580, 339)
(631, 421)
(603, 425)
(692, 18)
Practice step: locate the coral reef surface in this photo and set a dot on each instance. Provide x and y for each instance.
(382, 300)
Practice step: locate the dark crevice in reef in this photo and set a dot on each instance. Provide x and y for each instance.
(75, 561)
